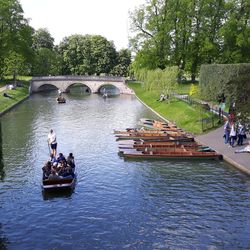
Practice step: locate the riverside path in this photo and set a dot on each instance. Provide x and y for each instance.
(215, 140)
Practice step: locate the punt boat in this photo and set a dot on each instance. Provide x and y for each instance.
(61, 184)
(133, 153)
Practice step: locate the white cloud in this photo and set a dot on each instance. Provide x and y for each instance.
(108, 18)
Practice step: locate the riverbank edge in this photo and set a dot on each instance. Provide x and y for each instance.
(14, 105)
(225, 158)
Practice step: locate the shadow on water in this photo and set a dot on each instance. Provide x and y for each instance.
(55, 194)
(3, 240)
(2, 173)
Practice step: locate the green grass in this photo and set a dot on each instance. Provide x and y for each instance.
(184, 115)
(17, 95)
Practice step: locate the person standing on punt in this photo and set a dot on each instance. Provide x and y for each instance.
(52, 141)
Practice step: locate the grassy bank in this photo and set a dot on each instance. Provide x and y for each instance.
(184, 115)
(16, 95)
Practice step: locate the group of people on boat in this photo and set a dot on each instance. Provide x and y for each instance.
(58, 167)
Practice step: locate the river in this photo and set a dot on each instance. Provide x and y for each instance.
(117, 203)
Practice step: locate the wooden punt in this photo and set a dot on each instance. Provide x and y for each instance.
(164, 146)
(147, 136)
(133, 153)
(61, 184)
(158, 139)
(154, 124)
(146, 131)
(61, 100)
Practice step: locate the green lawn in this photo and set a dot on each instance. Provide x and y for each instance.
(184, 115)
(17, 95)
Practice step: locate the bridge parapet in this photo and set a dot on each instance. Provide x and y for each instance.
(79, 78)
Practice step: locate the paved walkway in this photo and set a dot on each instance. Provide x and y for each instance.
(215, 140)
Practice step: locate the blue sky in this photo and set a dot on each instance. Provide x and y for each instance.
(108, 18)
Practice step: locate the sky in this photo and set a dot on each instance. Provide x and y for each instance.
(108, 18)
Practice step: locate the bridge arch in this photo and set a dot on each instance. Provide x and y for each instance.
(47, 87)
(109, 88)
(81, 84)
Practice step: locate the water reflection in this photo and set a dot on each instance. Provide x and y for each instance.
(2, 173)
(57, 194)
(3, 239)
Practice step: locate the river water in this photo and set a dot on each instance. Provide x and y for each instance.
(116, 204)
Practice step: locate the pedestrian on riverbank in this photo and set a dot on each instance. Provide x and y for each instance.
(241, 134)
(227, 129)
(232, 135)
(52, 141)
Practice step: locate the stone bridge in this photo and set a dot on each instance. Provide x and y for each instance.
(94, 83)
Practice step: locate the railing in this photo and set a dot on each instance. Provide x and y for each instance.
(79, 78)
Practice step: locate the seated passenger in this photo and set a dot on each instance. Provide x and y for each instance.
(61, 157)
(54, 175)
(46, 170)
(71, 160)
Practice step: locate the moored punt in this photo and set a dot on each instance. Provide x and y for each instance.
(166, 146)
(124, 140)
(133, 153)
(153, 124)
(146, 131)
(147, 136)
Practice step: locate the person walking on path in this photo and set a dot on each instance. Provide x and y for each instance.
(227, 129)
(52, 141)
(232, 135)
(241, 134)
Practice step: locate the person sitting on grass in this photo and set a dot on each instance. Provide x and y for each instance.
(6, 95)
(162, 98)
(245, 149)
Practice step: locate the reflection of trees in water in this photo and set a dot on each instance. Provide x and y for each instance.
(3, 240)
(2, 173)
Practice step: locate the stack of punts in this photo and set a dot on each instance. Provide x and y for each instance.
(169, 142)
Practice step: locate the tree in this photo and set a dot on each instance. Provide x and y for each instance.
(14, 64)
(46, 62)
(189, 33)
(163, 81)
(89, 54)
(235, 33)
(124, 60)
(43, 39)
(15, 32)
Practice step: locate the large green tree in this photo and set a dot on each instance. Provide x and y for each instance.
(43, 39)
(15, 32)
(123, 63)
(89, 54)
(47, 60)
(188, 33)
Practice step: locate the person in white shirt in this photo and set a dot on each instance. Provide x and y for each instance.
(52, 141)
